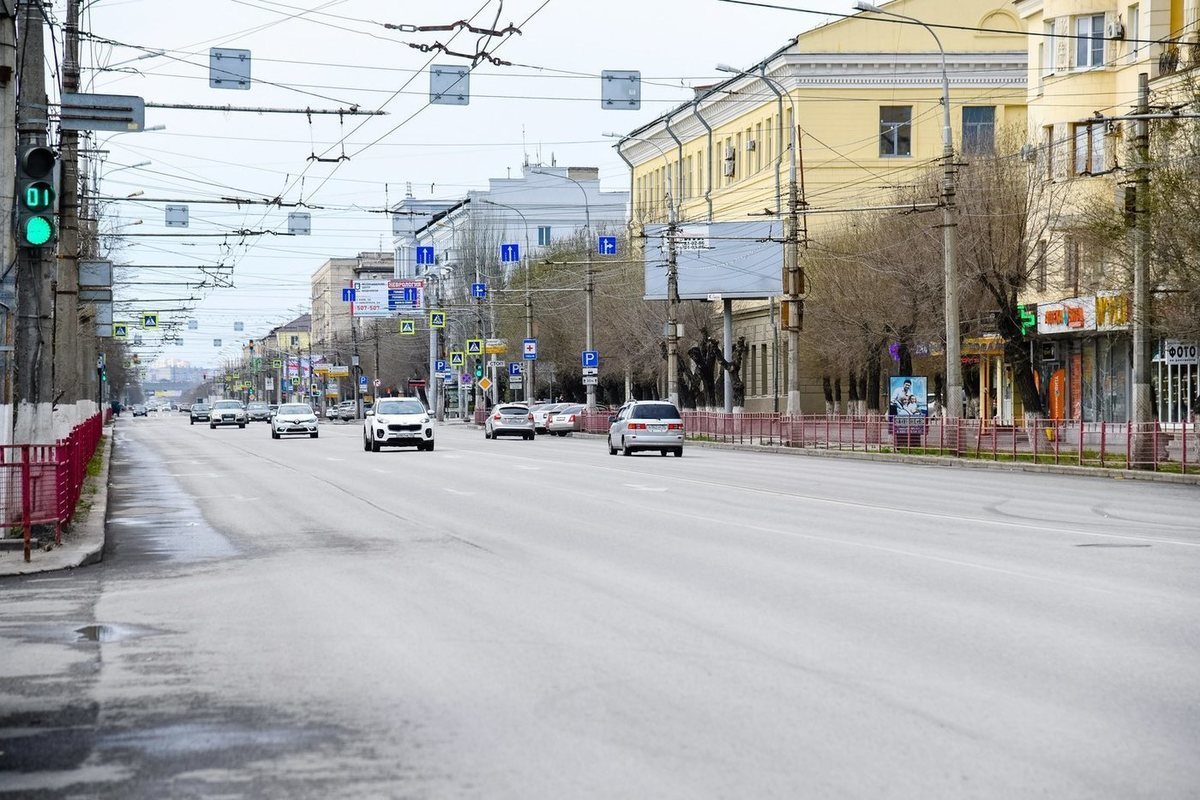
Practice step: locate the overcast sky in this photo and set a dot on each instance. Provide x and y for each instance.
(329, 54)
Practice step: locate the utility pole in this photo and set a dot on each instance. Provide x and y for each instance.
(34, 393)
(1143, 410)
(795, 283)
(672, 306)
(71, 339)
(8, 144)
(528, 365)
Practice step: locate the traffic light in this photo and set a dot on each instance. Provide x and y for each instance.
(478, 368)
(36, 223)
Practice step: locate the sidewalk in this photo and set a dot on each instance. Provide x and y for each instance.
(82, 540)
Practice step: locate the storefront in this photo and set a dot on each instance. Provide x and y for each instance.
(1084, 356)
(1175, 380)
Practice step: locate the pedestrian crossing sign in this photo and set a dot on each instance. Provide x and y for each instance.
(408, 327)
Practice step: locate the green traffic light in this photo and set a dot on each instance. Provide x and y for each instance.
(38, 231)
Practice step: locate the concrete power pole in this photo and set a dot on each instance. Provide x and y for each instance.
(672, 305)
(1143, 409)
(8, 144)
(73, 342)
(34, 328)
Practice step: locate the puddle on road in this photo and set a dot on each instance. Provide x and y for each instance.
(110, 633)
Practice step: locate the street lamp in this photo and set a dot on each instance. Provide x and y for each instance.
(794, 290)
(529, 303)
(589, 282)
(949, 231)
(672, 275)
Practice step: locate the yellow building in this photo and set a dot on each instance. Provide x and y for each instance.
(1087, 58)
(865, 92)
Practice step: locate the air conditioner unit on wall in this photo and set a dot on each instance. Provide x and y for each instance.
(1114, 30)
(730, 153)
(751, 145)
(728, 169)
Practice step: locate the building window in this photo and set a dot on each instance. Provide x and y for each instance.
(769, 130)
(758, 147)
(895, 131)
(1089, 41)
(1050, 53)
(979, 129)
(1040, 265)
(1048, 150)
(1071, 266)
(1134, 16)
(1089, 148)
(295, 341)
(543, 235)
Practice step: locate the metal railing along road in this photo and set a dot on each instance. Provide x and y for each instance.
(40, 484)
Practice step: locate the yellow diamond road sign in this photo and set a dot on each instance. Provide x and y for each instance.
(485, 383)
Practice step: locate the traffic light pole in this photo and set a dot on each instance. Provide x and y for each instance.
(34, 324)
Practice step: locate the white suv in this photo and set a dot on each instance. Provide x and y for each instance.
(397, 422)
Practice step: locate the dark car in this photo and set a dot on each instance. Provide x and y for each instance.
(258, 411)
(139, 410)
(200, 413)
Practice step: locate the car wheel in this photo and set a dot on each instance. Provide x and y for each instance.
(429, 447)
(612, 451)
(626, 450)
(314, 434)
(241, 424)
(212, 427)
(191, 422)
(679, 452)
(529, 437)
(374, 446)
(366, 443)
(486, 434)
(663, 452)
(274, 434)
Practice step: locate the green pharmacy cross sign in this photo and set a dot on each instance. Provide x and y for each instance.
(1027, 315)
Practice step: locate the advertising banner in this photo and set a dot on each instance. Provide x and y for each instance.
(908, 406)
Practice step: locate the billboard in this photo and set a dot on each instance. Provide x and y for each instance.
(908, 405)
(739, 260)
(388, 297)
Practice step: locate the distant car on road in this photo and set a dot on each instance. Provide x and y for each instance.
(199, 413)
(258, 412)
(139, 410)
(398, 422)
(294, 419)
(646, 425)
(541, 415)
(347, 410)
(227, 412)
(509, 420)
(566, 420)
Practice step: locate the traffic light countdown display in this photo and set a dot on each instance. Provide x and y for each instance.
(36, 224)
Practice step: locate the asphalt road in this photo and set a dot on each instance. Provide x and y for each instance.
(511, 619)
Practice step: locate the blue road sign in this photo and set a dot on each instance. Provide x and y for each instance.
(591, 358)
(479, 290)
(425, 255)
(439, 365)
(465, 379)
(362, 381)
(514, 369)
(529, 350)
(510, 252)
(411, 295)
(448, 378)
(606, 245)
(347, 295)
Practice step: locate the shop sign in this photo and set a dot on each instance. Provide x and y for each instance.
(1112, 312)
(1177, 351)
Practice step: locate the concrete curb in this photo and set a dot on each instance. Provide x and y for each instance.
(83, 539)
(945, 461)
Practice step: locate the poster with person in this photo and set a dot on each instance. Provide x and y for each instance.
(908, 405)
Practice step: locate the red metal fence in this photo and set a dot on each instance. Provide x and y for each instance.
(1045, 441)
(40, 484)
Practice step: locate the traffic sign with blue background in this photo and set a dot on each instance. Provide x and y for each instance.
(437, 319)
(529, 350)
(150, 320)
(474, 347)
(425, 255)
(439, 365)
(514, 368)
(347, 295)
(362, 381)
(457, 359)
(591, 358)
(510, 252)
(606, 245)
(465, 379)
(408, 327)
(479, 290)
